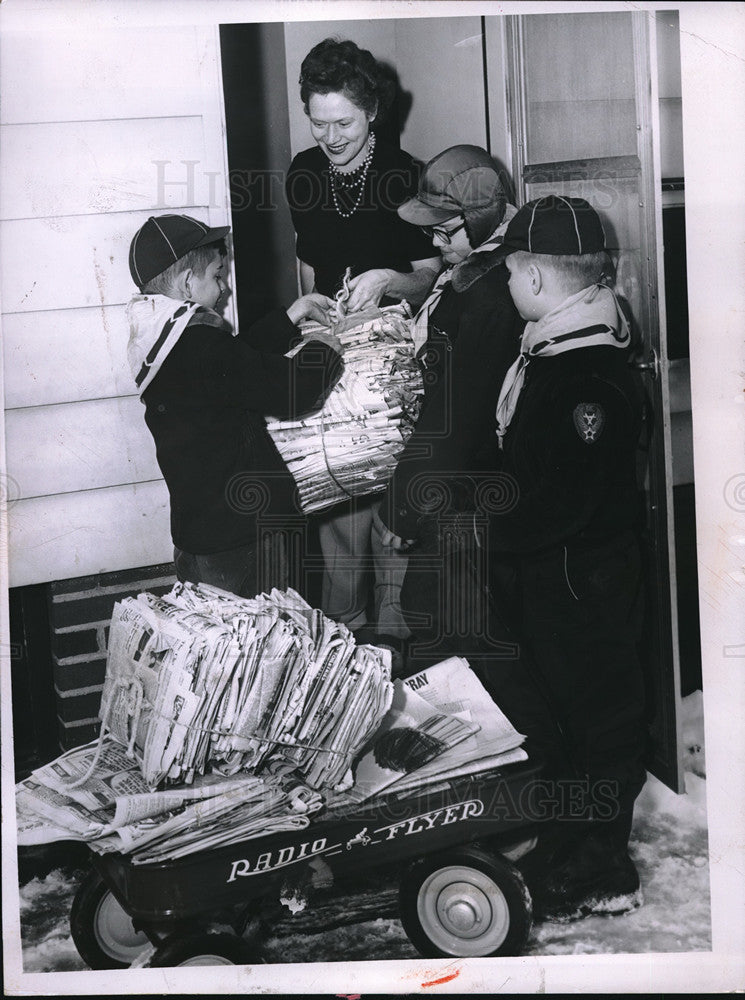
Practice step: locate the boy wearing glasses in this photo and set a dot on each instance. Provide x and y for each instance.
(466, 336)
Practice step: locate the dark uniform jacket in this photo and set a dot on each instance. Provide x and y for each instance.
(570, 507)
(205, 409)
(569, 460)
(474, 333)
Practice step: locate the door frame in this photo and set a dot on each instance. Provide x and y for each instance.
(666, 754)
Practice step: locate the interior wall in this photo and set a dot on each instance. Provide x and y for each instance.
(437, 109)
(300, 36)
(447, 106)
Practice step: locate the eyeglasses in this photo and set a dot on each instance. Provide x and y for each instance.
(443, 234)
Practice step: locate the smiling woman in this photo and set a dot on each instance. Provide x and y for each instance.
(341, 129)
(343, 195)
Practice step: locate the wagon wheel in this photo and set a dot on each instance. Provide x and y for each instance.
(102, 929)
(465, 902)
(203, 948)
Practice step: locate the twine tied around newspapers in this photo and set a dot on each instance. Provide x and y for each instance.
(137, 701)
(135, 704)
(363, 468)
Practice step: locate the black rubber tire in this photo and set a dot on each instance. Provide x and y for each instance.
(465, 903)
(102, 929)
(202, 948)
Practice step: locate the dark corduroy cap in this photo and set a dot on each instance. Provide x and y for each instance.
(163, 240)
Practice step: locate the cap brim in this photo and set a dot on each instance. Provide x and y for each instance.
(212, 235)
(419, 214)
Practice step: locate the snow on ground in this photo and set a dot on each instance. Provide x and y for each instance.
(45, 931)
(669, 846)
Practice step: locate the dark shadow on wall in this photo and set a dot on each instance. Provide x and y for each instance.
(684, 498)
(258, 141)
(391, 127)
(35, 739)
(689, 633)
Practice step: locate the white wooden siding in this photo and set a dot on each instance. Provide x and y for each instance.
(110, 73)
(111, 115)
(78, 260)
(111, 173)
(88, 445)
(91, 532)
(94, 343)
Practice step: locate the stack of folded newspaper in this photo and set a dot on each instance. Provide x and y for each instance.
(350, 447)
(447, 704)
(225, 719)
(97, 794)
(201, 677)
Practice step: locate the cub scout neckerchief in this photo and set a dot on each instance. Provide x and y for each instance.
(420, 327)
(590, 318)
(155, 324)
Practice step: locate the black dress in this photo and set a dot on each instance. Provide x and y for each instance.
(374, 236)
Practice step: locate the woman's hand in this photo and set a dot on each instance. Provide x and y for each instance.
(367, 289)
(312, 306)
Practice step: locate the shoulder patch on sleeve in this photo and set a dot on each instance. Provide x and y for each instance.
(589, 421)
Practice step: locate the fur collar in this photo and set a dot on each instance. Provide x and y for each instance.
(474, 267)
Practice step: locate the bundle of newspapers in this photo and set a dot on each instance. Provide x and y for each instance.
(201, 677)
(225, 719)
(97, 794)
(350, 446)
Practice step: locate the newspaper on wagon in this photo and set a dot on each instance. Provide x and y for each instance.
(201, 676)
(350, 446)
(225, 719)
(442, 724)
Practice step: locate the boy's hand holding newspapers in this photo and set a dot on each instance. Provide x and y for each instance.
(312, 306)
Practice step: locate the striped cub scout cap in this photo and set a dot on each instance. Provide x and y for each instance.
(163, 240)
(555, 225)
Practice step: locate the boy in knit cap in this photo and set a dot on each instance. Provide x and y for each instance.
(206, 392)
(569, 417)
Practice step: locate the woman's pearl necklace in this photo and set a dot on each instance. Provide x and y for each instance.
(359, 182)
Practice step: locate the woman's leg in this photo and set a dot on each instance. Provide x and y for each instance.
(390, 570)
(344, 538)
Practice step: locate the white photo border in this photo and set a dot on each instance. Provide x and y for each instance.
(713, 70)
